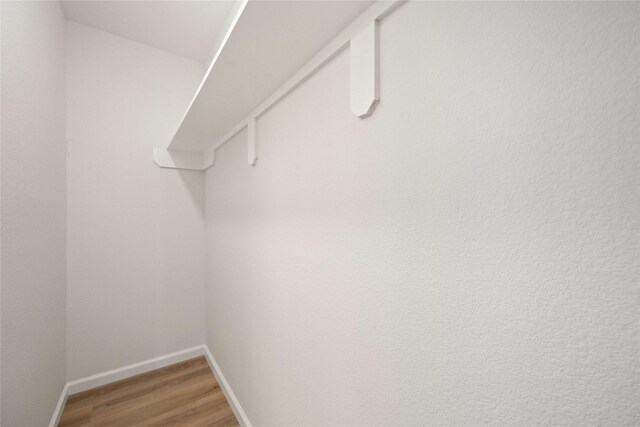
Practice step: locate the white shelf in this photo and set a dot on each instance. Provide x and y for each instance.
(269, 49)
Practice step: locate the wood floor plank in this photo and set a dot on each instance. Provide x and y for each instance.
(159, 391)
(209, 404)
(151, 405)
(136, 389)
(77, 417)
(185, 393)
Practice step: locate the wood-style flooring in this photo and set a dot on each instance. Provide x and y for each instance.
(184, 394)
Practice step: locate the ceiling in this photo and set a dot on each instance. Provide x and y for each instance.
(187, 28)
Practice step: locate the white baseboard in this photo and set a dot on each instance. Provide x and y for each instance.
(118, 374)
(103, 378)
(55, 419)
(226, 389)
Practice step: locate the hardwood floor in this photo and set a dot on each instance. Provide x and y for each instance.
(183, 394)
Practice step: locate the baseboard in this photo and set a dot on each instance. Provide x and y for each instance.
(118, 374)
(226, 389)
(55, 419)
(114, 375)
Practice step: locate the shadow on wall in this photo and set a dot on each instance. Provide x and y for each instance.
(194, 183)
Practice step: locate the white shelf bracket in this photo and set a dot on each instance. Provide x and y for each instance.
(189, 160)
(365, 71)
(252, 141)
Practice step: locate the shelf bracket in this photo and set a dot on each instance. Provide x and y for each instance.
(365, 71)
(252, 141)
(178, 159)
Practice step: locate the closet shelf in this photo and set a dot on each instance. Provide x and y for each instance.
(269, 49)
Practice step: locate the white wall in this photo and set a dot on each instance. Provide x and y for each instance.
(135, 231)
(33, 212)
(468, 255)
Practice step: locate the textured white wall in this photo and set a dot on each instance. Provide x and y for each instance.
(33, 212)
(468, 255)
(135, 231)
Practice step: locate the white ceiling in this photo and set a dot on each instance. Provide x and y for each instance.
(187, 28)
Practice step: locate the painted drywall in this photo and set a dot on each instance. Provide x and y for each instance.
(33, 181)
(468, 255)
(135, 231)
